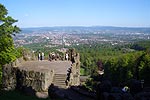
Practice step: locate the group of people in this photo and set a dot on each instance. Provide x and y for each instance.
(53, 56)
(41, 56)
(56, 56)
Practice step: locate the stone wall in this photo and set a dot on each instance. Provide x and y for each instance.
(9, 74)
(8, 77)
(15, 77)
(74, 71)
(39, 81)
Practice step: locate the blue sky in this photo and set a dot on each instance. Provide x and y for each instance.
(41, 13)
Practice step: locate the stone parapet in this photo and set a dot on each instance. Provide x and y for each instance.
(20, 77)
(39, 81)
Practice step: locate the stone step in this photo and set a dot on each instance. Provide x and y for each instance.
(61, 75)
(58, 84)
(56, 81)
(59, 80)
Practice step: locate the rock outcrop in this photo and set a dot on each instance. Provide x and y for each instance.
(74, 72)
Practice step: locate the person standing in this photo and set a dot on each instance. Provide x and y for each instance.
(42, 56)
(50, 57)
(67, 56)
(39, 56)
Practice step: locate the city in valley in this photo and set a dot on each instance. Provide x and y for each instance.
(70, 36)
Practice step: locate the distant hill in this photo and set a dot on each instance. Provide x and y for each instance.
(84, 28)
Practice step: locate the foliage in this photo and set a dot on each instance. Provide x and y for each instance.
(7, 29)
(19, 52)
(128, 66)
(91, 55)
(141, 45)
(144, 68)
(122, 68)
(90, 84)
(0, 75)
(82, 71)
(119, 66)
(40, 47)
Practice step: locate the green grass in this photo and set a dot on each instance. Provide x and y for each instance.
(16, 95)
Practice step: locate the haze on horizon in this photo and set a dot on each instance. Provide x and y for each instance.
(48, 13)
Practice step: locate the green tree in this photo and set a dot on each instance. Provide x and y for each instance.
(7, 29)
(144, 68)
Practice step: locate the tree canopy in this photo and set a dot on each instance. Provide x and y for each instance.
(7, 29)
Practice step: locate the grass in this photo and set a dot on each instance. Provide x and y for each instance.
(16, 95)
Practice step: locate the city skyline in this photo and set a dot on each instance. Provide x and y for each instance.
(49, 13)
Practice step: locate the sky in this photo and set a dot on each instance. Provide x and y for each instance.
(48, 13)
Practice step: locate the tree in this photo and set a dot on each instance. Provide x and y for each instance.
(100, 65)
(144, 68)
(7, 29)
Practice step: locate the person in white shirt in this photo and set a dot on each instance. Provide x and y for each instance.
(66, 56)
(42, 56)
